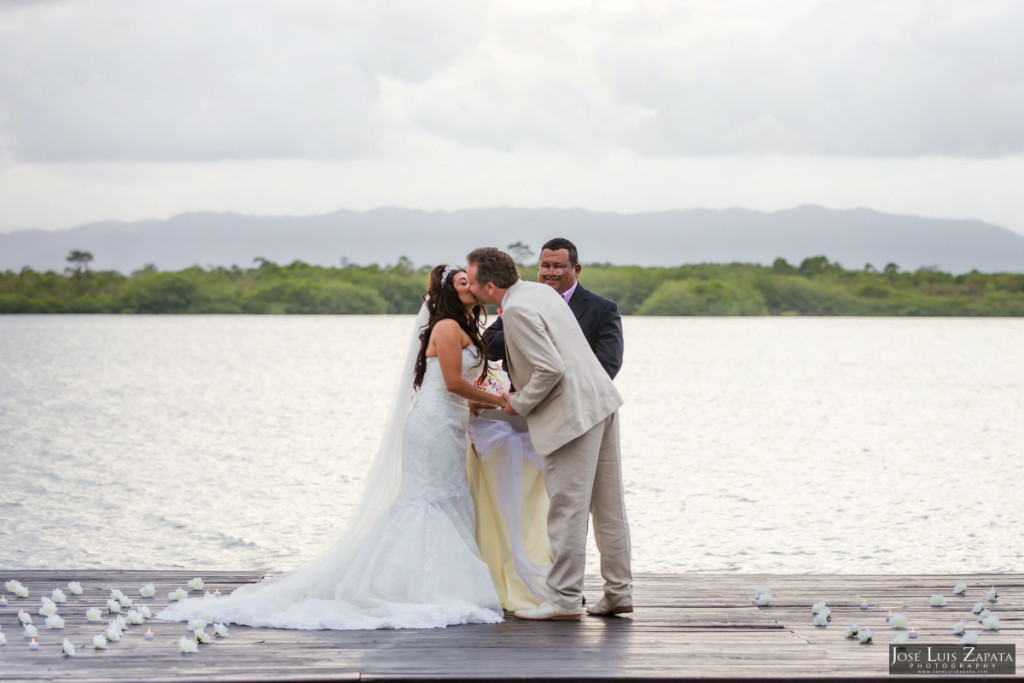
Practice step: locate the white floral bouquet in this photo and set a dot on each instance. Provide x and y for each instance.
(496, 381)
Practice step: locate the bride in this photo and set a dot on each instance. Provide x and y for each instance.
(408, 558)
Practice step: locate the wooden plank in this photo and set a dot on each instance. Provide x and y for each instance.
(686, 626)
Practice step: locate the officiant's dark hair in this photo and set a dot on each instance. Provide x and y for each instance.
(493, 265)
(442, 301)
(562, 243)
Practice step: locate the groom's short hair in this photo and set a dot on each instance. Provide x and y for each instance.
(493, 265)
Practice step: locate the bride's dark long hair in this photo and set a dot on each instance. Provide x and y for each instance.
(442, 301)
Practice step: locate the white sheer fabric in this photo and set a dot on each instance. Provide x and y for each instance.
(409, 557)
(509, 449)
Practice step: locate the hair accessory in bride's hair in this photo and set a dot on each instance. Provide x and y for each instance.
(448, 270)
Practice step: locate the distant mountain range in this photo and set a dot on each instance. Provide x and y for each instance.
(853, 238)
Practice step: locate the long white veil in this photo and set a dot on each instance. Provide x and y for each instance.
(380, 489)
(319, 579)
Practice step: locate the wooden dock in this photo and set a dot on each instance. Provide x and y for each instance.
(684, 627)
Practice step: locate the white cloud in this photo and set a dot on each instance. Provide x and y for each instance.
(852, 77)
(128, 109)
(234, 79)
(172, 80)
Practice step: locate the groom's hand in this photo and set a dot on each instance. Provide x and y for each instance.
(506, 406)
(476, 406)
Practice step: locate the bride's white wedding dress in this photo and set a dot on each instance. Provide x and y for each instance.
(413, 563)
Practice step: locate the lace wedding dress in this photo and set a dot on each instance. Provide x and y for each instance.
(409, 559)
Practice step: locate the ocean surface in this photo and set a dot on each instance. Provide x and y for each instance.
(805, 445)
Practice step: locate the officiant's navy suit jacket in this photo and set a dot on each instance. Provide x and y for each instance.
(598, 318)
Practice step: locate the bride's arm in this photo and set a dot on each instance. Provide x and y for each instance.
(447, 338)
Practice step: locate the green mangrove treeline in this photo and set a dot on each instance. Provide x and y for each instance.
(814, 287)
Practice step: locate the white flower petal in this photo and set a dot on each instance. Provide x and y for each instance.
(187, 645)
(221, 630)
(68, 648)
(99, 642)
(958, 627)
(74, 588)
(31, 631)
(93, 614)
(58, 595)
(54, 621)
(14, 586)
(147, 591)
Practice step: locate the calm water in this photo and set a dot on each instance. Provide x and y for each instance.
(755, 445)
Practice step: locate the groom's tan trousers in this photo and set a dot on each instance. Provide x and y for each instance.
(584, 477)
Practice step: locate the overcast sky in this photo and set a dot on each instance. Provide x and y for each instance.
(132, 109)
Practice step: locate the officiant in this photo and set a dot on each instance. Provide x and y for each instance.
(598, 316)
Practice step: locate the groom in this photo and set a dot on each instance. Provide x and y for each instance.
(571, 410)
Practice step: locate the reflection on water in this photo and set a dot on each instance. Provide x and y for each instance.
(758, 445)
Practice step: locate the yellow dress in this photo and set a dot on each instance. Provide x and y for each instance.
(511, 504)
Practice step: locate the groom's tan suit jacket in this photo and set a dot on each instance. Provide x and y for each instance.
(562, 389)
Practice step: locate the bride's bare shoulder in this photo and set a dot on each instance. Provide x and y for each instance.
(446, 323)
(448, 331)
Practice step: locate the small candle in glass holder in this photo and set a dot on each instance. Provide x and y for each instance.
(863, 604)
(888, 617)
(33, 645)
(913, 633)
(149, 634)
(3, 601)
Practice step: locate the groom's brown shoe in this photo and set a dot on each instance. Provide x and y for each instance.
(606, 609)
(546, 612)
